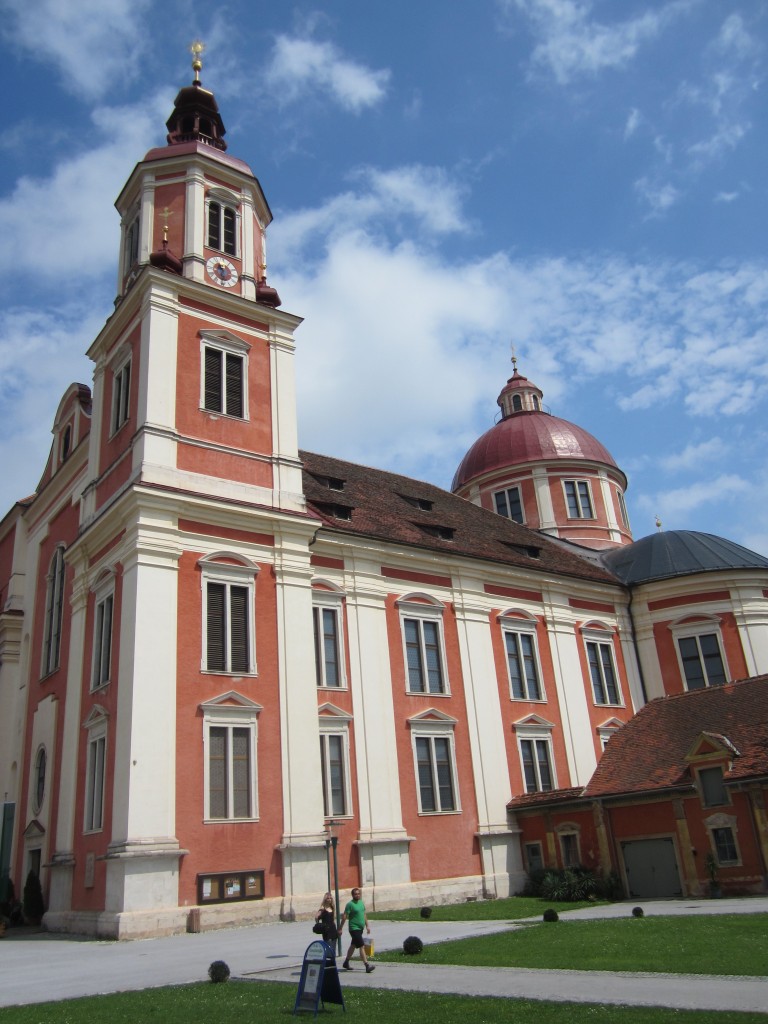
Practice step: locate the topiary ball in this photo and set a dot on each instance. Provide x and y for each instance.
(551, 915)
(637, 912)
(218, 971)
(413, 945)
(426, 912)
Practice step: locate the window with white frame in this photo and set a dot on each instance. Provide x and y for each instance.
(602, 669)
(435, 761)
(534, 741)
(423, 643)
(578, 499)
(229, 744)
(329, 651)
(222, 227)
(522, 661)
(334, 766)
(228, 618)
(102, 637)
(623, 509)
(701, 659)
(96, 760)
(121, 393)
(54, 612)
(224, 376)
(509, 503)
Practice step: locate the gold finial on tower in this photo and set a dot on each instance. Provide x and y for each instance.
(196, 49)
(658, 523)
(165, 215)
(514, 359)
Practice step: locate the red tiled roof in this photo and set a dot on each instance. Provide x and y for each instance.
(375, 503)
(649, 752)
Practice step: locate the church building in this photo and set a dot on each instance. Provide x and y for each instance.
(222, 656)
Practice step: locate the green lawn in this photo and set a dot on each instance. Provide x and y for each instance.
(728, 944)
(511, 909)
(269, 1003)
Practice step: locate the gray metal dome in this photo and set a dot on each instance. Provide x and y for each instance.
(678, 553)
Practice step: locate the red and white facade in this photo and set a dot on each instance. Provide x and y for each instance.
(213, 646)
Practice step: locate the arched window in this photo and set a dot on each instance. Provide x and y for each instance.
(39, 791)
(517, 403)
(54, 608)
(222, 222)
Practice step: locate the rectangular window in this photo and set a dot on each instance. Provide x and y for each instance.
(223, 389)
(435, 774)
(102, 642)
(54, 612)
(602, 672)
(326, 623)
(121, 391)
(334, 775)
(534, 857)
(578, 499)
(713, 792)
(725, 846)
(537, 766)
(509, 504)
(423, 656)
(569, 845)
(521, 661)
(94, 786)
(623, 509)
(228, 628)
(702, 661)
(230, 774)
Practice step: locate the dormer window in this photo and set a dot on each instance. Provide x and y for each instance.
(222, 228)
(713, 791)
(441, 532)
(421, 503)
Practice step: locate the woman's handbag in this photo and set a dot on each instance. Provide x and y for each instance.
(317, 928)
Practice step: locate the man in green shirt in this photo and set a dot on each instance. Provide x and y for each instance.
(354, 912)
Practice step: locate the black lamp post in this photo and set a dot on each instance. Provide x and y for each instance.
(330, 845)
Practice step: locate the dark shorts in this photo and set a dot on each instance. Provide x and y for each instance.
(356, 935)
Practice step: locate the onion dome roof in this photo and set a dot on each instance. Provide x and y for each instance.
(529, 437)
(669, 553)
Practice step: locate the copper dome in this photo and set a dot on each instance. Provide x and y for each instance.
(529, 437)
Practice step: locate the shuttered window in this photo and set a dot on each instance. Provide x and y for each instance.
(222, 228)
(435, 774)
(230, 775)
(223, 388)
(326, 628)
(228, 628)
(333, 764)
(423, 656)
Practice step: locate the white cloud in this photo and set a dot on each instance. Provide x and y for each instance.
(633, 122)
(300, 67)
(91, 42)
(675, 507)
(56, 226)
(694, 455)
(572, 43)
(659, 196)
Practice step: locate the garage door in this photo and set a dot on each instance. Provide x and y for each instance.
(651, 867)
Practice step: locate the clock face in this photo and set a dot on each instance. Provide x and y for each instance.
(221, 271)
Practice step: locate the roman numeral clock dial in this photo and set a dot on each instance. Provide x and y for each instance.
(221, 272)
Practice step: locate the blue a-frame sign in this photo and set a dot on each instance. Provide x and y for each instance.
(319, 981)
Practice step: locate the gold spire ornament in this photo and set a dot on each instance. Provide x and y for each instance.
(196, 49)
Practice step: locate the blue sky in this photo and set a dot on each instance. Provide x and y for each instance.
(582, 180)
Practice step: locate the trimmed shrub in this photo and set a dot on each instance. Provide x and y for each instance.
(426, 912)
(218, 971)
(551, 915)
(412, 946)
(637, 912)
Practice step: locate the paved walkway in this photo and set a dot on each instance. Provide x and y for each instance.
(36, 967)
